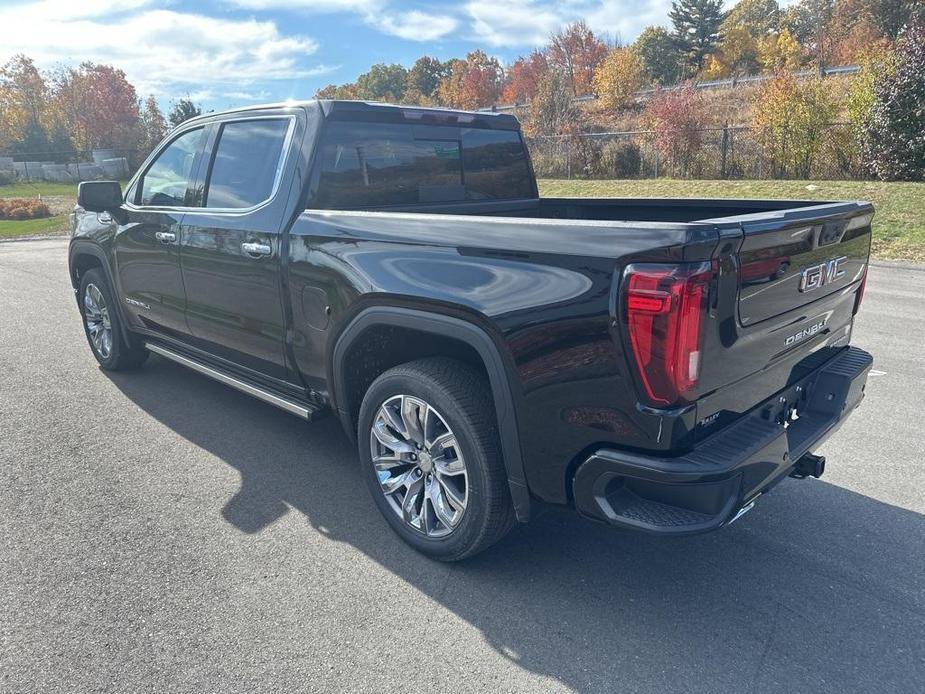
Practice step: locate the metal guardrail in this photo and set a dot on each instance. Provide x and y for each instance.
(704, 84)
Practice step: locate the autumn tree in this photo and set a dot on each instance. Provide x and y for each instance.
(893, 129)
(553, 114)
(736, 55)
(855, 31)
(779, 52)
(658, 55)
(809, 23)
(675, 119)
(522, 79)
(23, 106)
(183, 110)
(696, 29)
(97, 106)
(382, 83)
(552, 111)
(758, 17)
(576, 52)
(743, 30)
(617, 78)
(791, 118)
(473, 82)
(153, 126)
(424, 79)
(326, 92)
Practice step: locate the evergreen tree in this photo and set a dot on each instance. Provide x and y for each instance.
(696, 29)
(183, 110)
(659, 55)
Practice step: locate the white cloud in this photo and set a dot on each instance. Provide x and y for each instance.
(416, 25)
(163, 52)
(521, 23)
(513, 23)
(320, 6)
(411, 25)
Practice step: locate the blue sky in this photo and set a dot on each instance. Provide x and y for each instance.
(230, 52)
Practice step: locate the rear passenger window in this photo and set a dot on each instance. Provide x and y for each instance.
(247, 163)
(495, 163)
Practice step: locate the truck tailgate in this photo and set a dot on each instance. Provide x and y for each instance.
(792, 258)
(787, 307)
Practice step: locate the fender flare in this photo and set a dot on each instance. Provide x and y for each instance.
(84, 247)
(464, 331)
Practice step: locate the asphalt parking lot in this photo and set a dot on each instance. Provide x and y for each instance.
(159, 531)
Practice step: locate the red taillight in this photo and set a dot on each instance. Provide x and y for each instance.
(665, 305)
(859, 297)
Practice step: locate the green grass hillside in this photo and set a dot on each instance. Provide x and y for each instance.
(899, 222)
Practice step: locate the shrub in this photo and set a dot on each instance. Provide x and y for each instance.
(620, 159)
(892, 128)
(617, 79)
(23, 208)
(791, 119)
(675, 118)
(584, 156)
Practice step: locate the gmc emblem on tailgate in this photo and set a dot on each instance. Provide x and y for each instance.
(815, 276)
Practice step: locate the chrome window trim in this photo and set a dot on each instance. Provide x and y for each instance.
(175, 135)
(280, 166)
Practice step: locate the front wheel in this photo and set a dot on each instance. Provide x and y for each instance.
(101, 325)
(429, 446)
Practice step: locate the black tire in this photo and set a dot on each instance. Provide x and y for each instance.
(121, 355)
(461, 396)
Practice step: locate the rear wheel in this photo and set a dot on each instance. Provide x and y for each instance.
(102, 326)
(429, 446)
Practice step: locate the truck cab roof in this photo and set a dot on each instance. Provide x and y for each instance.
(341, 109)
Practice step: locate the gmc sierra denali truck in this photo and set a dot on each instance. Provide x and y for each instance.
(655, 364)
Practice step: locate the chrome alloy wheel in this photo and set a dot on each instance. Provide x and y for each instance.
(96, 316)
(419, 464)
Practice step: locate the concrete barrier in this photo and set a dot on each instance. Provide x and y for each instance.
(30, 170)
(57, 173)
(116, 168)
(101, 155)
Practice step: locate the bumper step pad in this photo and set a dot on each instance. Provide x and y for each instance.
(703, 488)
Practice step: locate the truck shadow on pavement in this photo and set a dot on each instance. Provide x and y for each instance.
(818, 589)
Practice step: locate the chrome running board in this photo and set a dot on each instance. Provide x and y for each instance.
(300, 410)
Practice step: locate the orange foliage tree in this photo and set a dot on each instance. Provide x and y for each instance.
(97, 106)
(577, 53)
(473, 82)
(523, 77)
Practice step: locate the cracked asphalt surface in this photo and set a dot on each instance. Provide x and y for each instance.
(162, 532)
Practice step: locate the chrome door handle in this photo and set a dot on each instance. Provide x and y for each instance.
(255, 249)
(165, 236)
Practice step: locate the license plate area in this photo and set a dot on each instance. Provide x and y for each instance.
(787, 407)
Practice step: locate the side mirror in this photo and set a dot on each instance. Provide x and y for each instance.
(99, 196)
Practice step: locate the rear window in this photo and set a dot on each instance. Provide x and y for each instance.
(378, 165)
(247, 163)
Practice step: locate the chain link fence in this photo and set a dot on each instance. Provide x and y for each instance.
(70, 166)
(717, 153)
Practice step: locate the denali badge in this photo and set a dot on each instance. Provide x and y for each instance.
(815, 276)
(804, 333)
(139, 304)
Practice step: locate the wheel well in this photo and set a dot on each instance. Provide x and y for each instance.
(81, 264)
(380, 347)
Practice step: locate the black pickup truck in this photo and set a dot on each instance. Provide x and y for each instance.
(656, 364)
